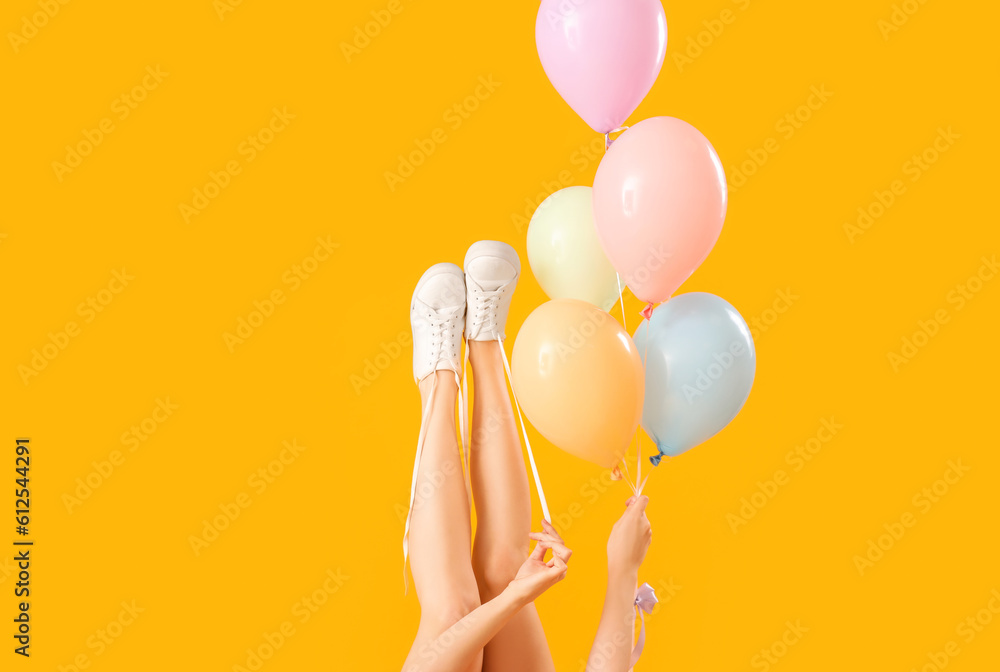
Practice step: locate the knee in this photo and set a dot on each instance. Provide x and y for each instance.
(446, 611)
(496, 571)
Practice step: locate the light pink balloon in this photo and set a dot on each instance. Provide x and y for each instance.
(660, 200)
(602, 55)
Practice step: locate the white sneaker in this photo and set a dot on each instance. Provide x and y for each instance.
(491, 272)
(437, 311)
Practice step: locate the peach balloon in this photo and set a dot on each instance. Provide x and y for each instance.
(660, 200)
(579, 378)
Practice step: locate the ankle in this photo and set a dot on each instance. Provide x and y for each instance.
(441, 381)
(485, 352)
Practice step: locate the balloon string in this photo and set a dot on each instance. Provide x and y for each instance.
(667, 458)
(638, 438)
(638, 448)
(524, 433)
(628, 476)
(621, 300)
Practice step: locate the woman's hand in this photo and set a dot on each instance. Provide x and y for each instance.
(536, 575)
(630, 539)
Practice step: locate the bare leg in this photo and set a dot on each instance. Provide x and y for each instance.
(440, 534)
(503, 510)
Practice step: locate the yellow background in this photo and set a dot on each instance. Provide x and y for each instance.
(337, 505)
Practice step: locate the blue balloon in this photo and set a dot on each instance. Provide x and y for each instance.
(700, 362)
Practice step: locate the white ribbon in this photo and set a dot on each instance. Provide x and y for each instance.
(527, 443)
(645, 601)
(416, 466)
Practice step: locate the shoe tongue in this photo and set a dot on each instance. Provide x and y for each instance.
(491, 273)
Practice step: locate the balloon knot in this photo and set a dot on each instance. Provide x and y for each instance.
(647, 312)
(655, 459)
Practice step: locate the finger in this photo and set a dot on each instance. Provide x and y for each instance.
(562, 553)
(541, 536)
(629, 502)
(639, 505)
(551, 529)
(558, 574)
(538, 553)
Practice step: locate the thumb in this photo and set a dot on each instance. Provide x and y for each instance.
(639, 504)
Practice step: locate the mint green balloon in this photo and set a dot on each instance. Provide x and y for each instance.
(564, 252)
(700, 363)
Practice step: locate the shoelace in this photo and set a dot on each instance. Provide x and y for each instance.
(486, 306)
(488, 303)
(442, 331)
(442, 336)
(524, 431)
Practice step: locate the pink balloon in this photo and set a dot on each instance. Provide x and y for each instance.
(602, 55)
(659, 203)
